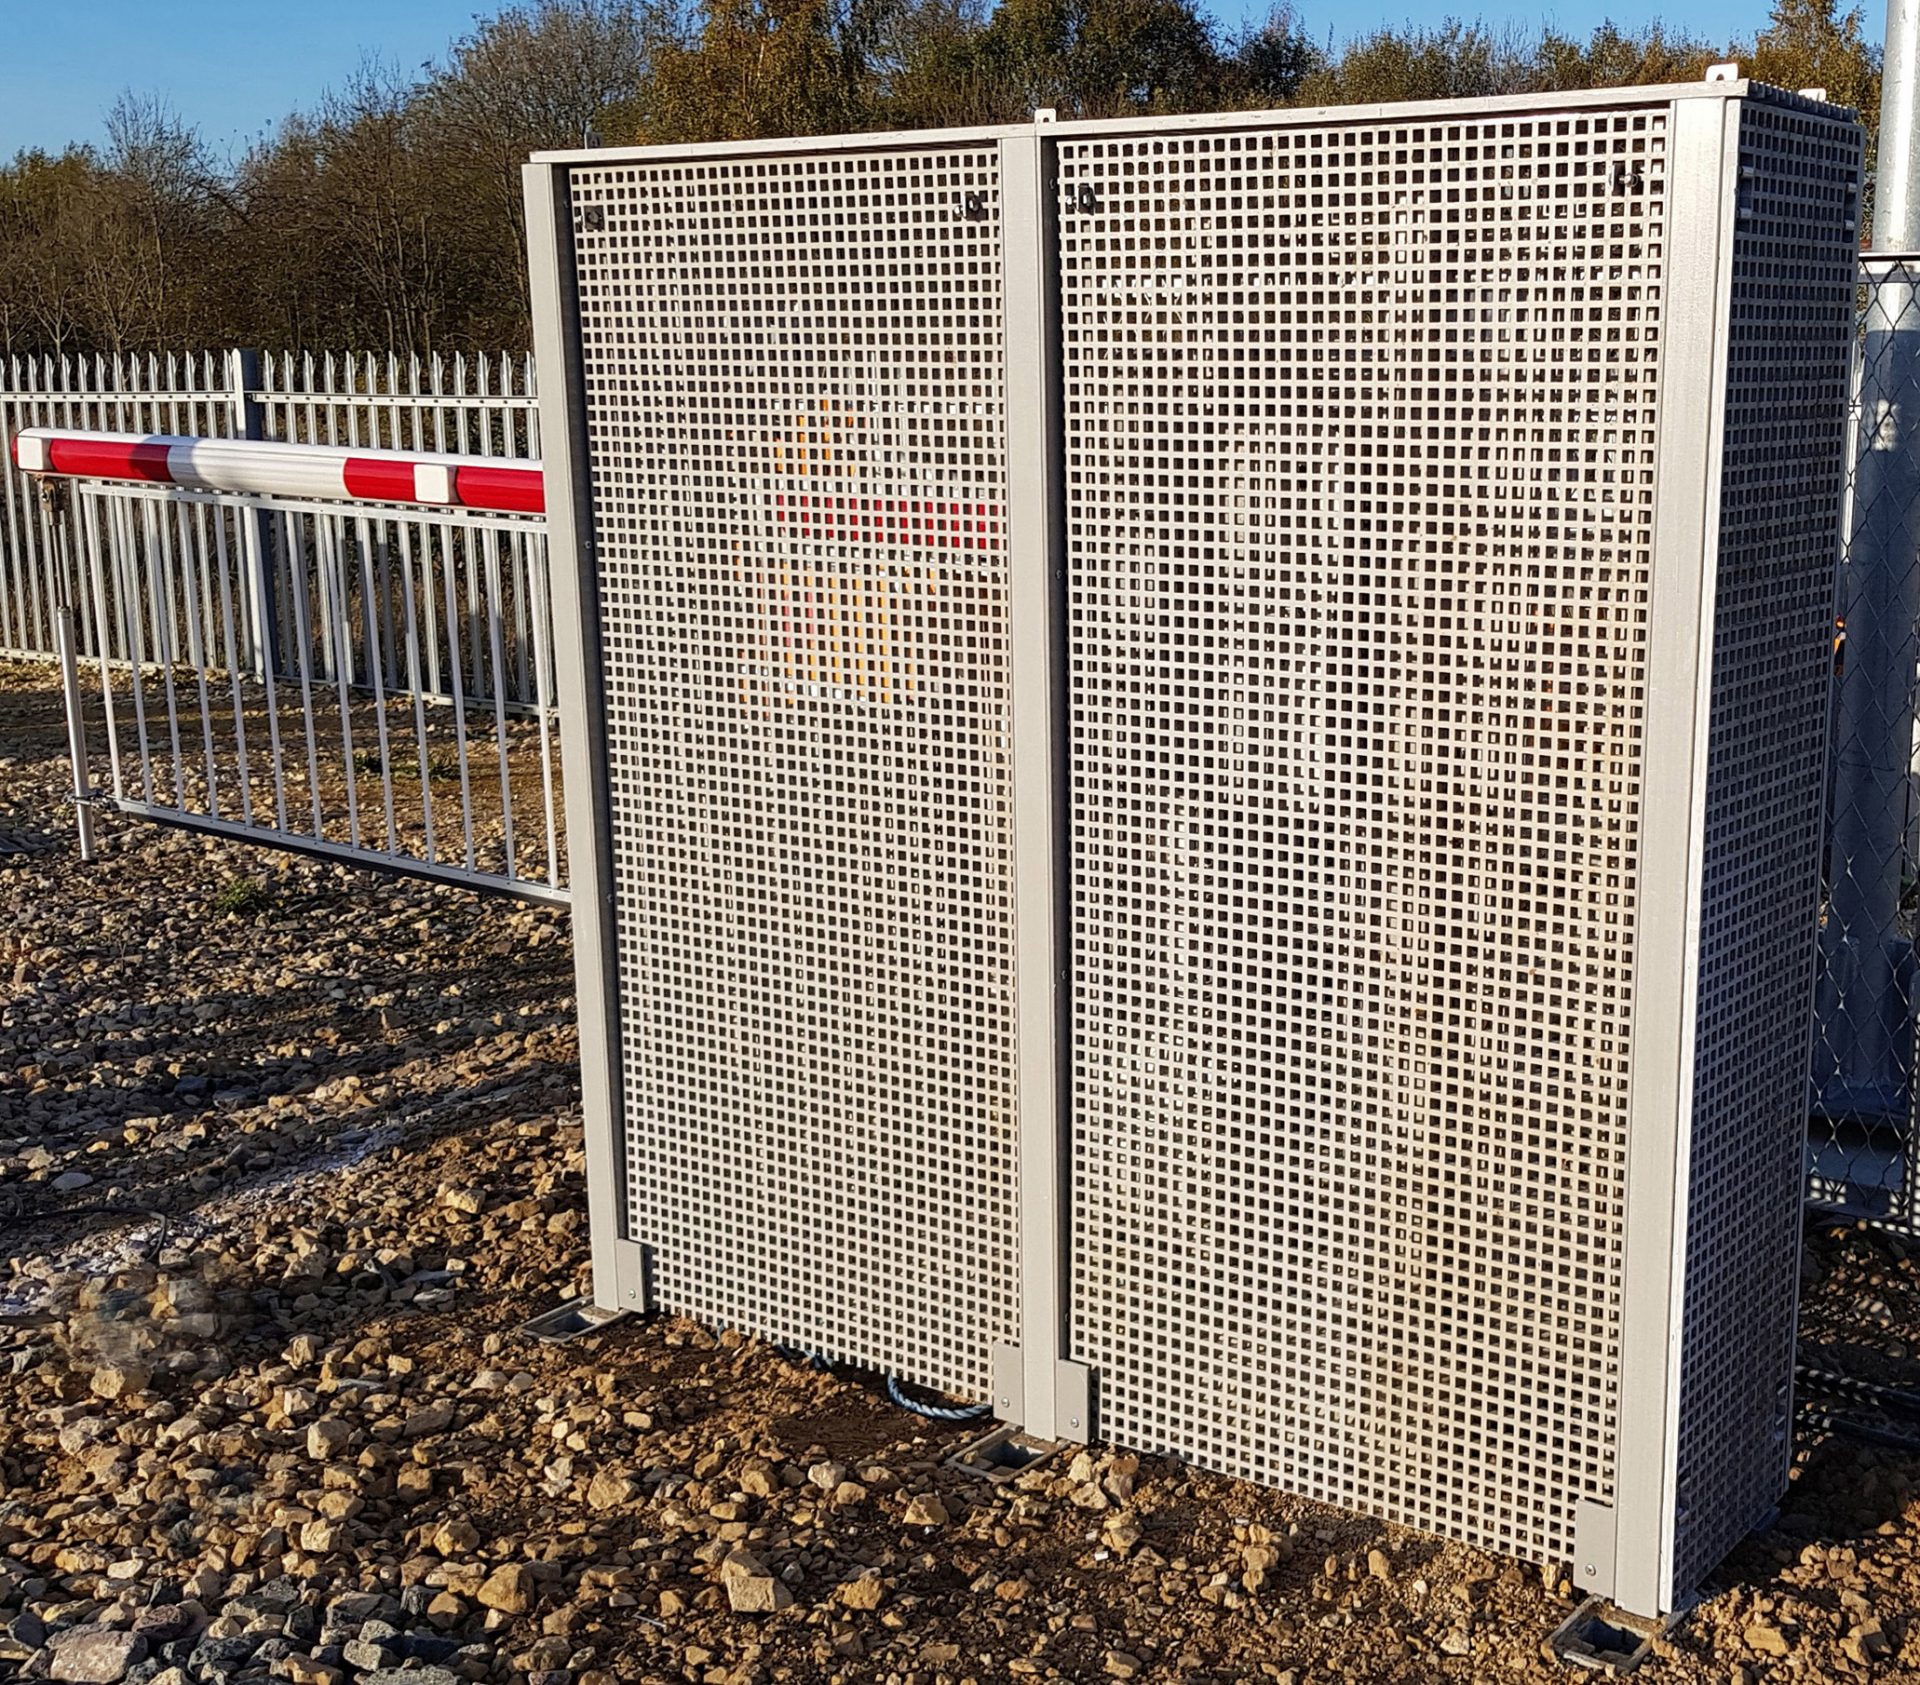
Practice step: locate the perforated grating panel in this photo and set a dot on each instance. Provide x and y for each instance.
(1360, 428)
(1364, 468)
(793, 384)
(1793, 278)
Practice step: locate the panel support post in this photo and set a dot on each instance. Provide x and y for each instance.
(1036, 1386)
(621, 1276)
(1703, 180)
(256, 525)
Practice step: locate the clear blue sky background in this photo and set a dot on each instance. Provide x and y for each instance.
(234, 67)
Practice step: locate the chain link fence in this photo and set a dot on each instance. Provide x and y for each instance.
(1861, 1141)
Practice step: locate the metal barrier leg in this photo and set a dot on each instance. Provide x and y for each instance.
(256, 526)
(76, 728)
(67, 650)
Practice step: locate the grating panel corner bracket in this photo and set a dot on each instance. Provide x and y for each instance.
(1072, 1413)
(1009, 1383)
(633, 1276)
(1073, 1401)
(1593, 1547)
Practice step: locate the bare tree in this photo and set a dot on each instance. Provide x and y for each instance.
(390, 213)
(534, 76)
(151, 210)
(45, 252)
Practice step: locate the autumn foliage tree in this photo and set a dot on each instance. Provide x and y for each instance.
(388, 215)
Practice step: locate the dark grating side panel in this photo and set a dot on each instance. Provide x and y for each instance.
(1359, 444)
(793, 373)
(1792, 315)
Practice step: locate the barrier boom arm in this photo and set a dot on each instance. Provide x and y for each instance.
(261, 468)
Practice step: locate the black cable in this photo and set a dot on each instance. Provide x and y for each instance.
(1853, 1389)
(935, 1412)
(1868, 1433)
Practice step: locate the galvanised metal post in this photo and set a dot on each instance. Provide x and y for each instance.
(1863, 1068)
(1896, 208)
(256, 526)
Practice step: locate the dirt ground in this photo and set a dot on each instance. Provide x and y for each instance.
(287, 1154)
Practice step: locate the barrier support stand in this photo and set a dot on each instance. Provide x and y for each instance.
(54, 496)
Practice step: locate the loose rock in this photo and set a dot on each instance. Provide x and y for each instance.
(751, 1589)
(95, 1656)
(511, 1589)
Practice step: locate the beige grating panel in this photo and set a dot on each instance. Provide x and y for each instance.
(1790, 341)
(792, 371)
(1359, 446)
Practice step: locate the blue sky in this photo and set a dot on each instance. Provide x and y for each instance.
(233, 67)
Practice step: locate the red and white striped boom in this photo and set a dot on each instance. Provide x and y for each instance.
(492, 484)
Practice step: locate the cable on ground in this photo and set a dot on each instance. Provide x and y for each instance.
(1851, 1427)
(935, 1412)
(13, 1210)
(1831, 1383)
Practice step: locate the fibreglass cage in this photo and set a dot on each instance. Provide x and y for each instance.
(1199, 748)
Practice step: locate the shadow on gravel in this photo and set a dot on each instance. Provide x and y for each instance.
(160, 1051)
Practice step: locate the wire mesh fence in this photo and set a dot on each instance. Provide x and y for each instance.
(1861, 1141)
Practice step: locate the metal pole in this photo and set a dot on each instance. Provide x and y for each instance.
(66, 646)
(1896, 194)
(76, 729)
(1866, 1056)
(256, 529)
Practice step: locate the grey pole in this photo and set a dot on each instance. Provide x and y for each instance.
(1864, 1065)
(1896, 203)
(255, 525)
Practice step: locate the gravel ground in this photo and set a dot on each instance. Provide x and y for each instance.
(287, 1153)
